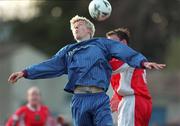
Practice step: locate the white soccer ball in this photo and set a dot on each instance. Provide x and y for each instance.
(100, 9)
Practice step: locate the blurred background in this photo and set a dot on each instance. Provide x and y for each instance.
(33, 30)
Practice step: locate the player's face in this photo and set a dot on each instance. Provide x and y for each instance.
(116, 38)
(80, 30)
(34, 98)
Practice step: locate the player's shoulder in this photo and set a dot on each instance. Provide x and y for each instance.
(116, 61)
(100, 39)
(104, 39)
(44, 107)
(63, 49)
(22, 109)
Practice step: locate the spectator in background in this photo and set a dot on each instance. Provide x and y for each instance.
(31, 114)
(61, 121)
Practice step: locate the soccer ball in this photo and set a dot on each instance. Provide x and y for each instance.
(100, 9)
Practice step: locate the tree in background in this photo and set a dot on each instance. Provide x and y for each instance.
(153, 23)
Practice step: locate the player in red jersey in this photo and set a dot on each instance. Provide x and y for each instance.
(131, 99)
(31, 114)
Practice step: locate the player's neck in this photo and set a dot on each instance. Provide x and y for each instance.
(84, 38)
(34, 107)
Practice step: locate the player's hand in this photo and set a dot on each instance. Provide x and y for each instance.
(153, 65)
(14, 77)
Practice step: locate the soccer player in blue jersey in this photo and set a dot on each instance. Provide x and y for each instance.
(86, 64)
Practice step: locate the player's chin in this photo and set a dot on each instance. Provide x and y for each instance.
(77, 36)
(34, 103)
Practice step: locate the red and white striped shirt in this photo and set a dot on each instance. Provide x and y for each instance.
(127, 81)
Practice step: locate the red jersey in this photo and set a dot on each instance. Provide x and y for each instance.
(27, 116)
(127, 81)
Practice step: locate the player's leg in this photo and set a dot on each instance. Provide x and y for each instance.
(143, 110)
(126, 111)
(80, 106)
(102, 111)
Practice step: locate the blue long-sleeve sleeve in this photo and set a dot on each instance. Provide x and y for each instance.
(124, 53)
(53, 67)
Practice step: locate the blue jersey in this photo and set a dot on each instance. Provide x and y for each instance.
(86, 63)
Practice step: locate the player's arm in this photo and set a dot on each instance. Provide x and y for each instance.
(56, 66)
(15, 118)
(130, 56)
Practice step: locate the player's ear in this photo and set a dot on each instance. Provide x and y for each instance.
(124, 41)
(90, 31)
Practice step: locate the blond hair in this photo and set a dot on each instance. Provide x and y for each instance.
(88, 23)
(33, 89)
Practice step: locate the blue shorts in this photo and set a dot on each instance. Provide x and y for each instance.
(91, 110)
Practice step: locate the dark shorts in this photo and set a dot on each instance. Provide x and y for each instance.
(91, 110)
